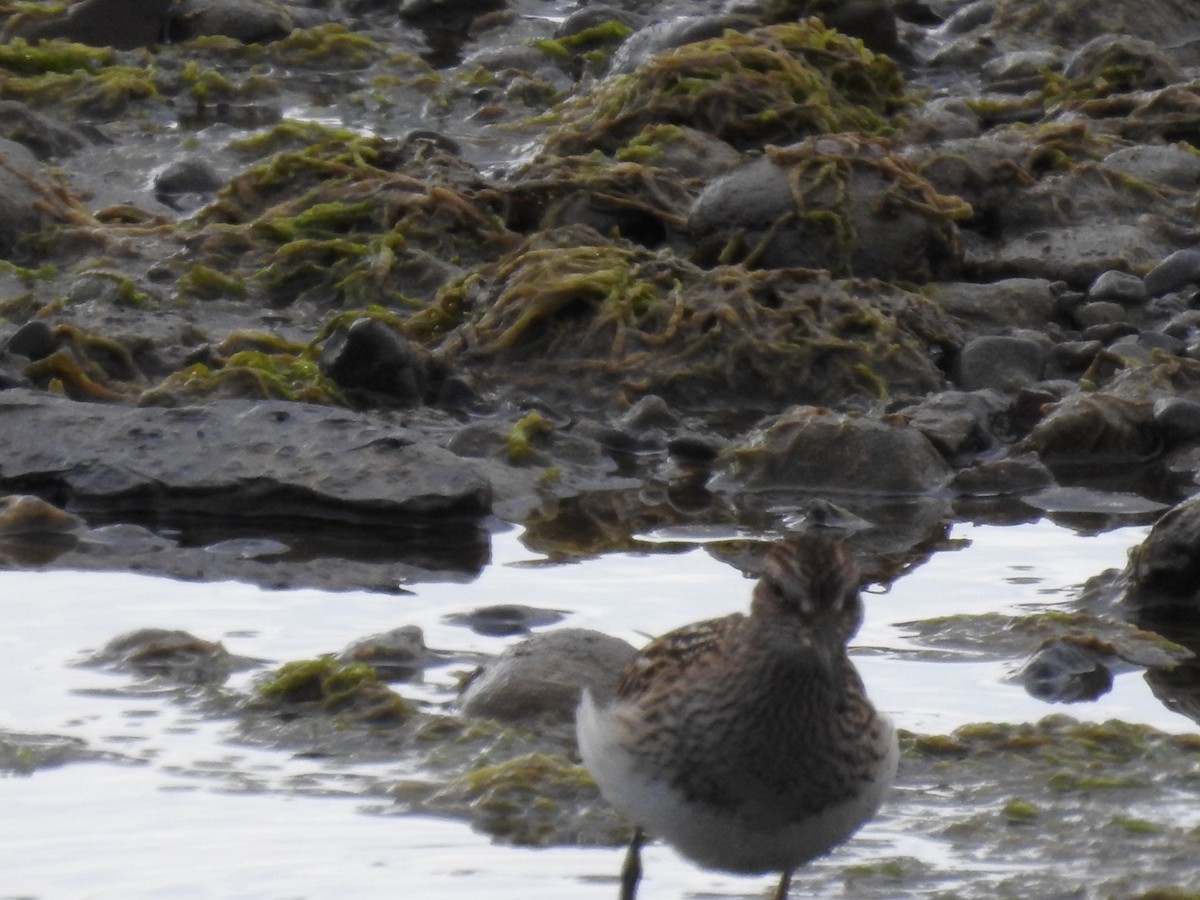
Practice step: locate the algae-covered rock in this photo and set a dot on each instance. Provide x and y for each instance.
(175, 656)
(807, 448)
(841, 202)
(590, 321)
(533, 800)
(775, 84)
(30, 201)
(324, 686)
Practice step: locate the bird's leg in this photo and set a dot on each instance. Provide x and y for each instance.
(631, 871)
(785, 882)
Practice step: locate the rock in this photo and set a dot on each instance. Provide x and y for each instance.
(1004, 304)
(1117, 287)
(506, 619)
(1095, 430)
(29, 201)
(812, 448)
(33, 340)
(373, 362)
(542, 677)
(1020, 70)
(176, 181)
(235, 458)
(1178, 270)
(251, 23)
(1177, 418)
(24, 515)
(1172, 165)
(45, 136)
(957, 422)
(1074, 356)
(1163, 572)
(172, 655)
(1017, 474)
(1067, 671)
(323, 686)
(1123, 63)
(1001, 363)
(122, 24)
(1102, 312)
(874, 217)
(396, 655)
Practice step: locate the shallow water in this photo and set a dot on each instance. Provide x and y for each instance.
(272, 824)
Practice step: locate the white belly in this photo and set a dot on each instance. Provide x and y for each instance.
(734, 842)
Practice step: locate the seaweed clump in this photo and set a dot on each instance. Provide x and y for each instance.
(776, 84)
(323, 685)
(349, 221)
(619, 322)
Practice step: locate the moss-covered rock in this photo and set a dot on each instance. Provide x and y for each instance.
(622, 322)
(325, 686)
(775, 84)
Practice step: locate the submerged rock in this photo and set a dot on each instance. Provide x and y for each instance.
(176, 656)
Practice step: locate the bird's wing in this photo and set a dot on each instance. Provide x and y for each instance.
(674, 652)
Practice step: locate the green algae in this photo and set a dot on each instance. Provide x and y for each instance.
(87, 367)
(326, 45)
(246, 374)
(1019, 812)
(22, 58)
(324, 685)
(776, 84)
(204, 282)
(531, 429)
(529, 800)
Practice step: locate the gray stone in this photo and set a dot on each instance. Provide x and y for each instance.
(1103, 312)
(542, 677)
(1076, 355)
(956, 421)
(1177, 417)
(256, 22)
(395, 655)
(123, 24)
(1117, 287)
(1178, 270)
(999, 362)
(33, 340)
(235, 458)
(1017, 474)
(1163, 573)
(1168, 164)
(808, 447)
(998, 306)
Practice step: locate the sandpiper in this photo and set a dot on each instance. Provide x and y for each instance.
(748, 742)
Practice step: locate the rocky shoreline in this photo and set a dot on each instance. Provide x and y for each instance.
(284, 279)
